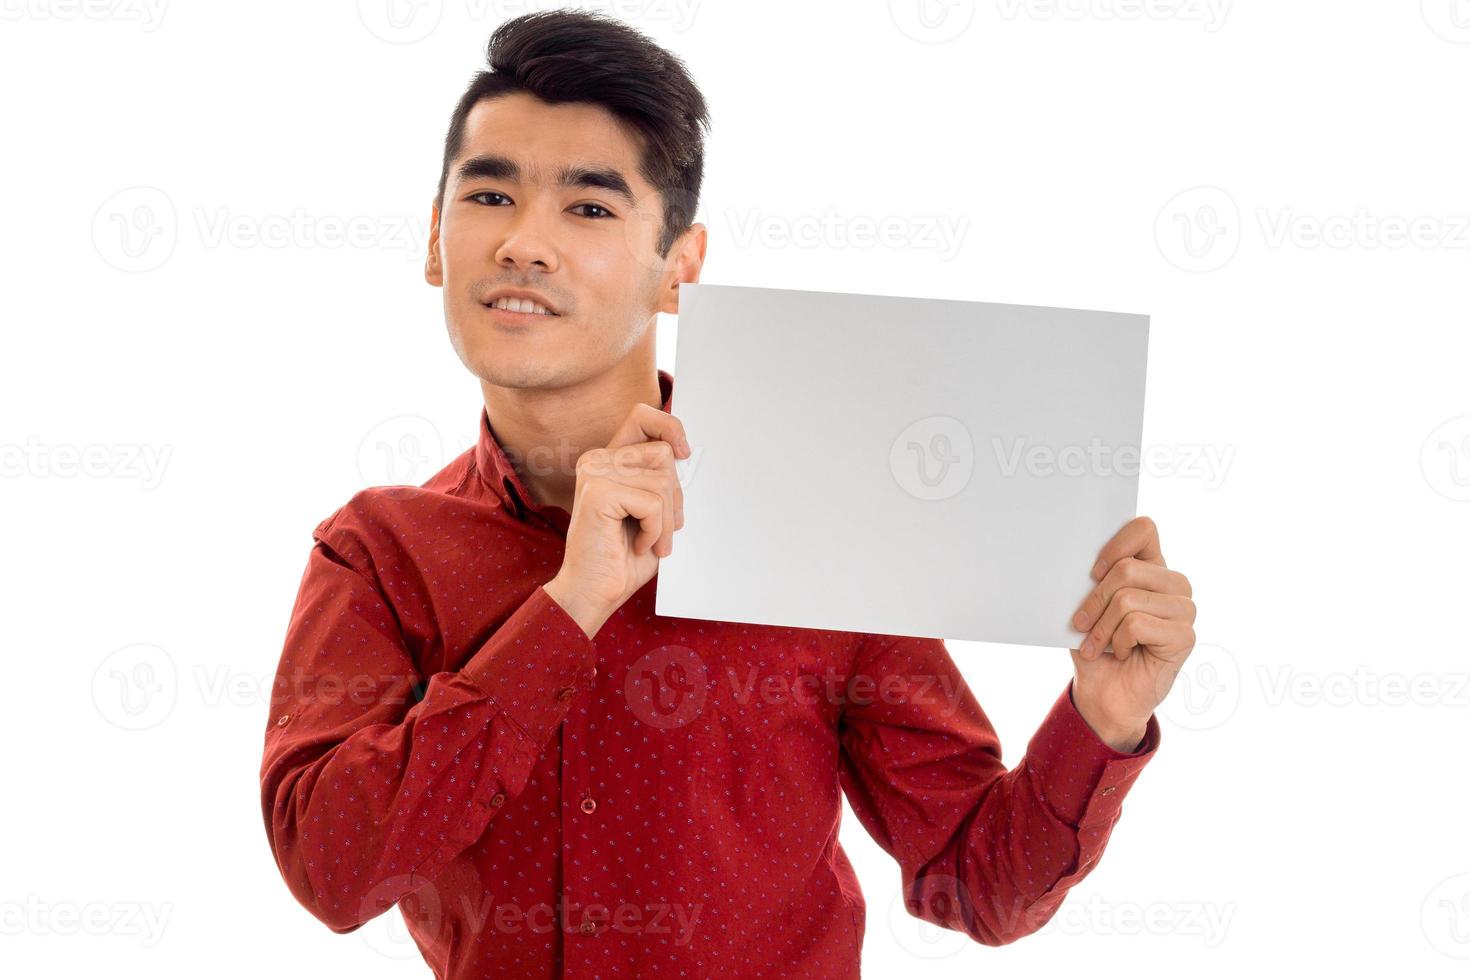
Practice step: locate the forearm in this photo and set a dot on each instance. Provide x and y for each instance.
(1119, 738)
(402, 774)
(347, 823)
(589, 615)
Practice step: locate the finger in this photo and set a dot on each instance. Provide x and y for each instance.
(600, 474)
(1166, 638)
(630, 464)
(662, 485)
(631, 458)
(1130, 600)
(635, 458)
(636, 461)
(1139, 538)
(645, 422)
(616, 501)
(1126, 573)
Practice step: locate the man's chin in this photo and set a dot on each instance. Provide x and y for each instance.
(516, 369)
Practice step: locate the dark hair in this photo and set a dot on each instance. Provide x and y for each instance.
(582, 56)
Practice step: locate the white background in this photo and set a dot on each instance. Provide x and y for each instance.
(1308, 803)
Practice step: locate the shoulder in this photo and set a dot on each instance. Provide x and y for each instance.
(389, 519)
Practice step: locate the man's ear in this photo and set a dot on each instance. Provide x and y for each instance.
(433, 268)
(687, 261)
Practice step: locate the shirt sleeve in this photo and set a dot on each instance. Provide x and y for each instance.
(983, 850)
(375, 777)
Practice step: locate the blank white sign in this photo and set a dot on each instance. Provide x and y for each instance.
(896, 465)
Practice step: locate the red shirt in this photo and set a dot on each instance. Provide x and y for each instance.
(661, 800)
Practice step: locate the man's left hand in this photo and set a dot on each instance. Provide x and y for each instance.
(1139, 621)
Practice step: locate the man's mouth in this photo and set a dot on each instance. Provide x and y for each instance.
(510, 304)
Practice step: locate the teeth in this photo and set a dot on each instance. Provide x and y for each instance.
(520, 306)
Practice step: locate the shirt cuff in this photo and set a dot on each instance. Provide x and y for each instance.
(1078, 775)
(534, 664)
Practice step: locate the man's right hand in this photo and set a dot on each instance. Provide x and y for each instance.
(625, 510)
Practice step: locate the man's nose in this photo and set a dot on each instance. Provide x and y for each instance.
(527, 241)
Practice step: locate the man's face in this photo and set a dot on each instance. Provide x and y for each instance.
(588, 249)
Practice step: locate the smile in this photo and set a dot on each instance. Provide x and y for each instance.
(511, 304)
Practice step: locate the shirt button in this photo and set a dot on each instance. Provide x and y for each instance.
(1108, 790)
(588, 927)
(588, 805)
(282, 720)
(497, 799)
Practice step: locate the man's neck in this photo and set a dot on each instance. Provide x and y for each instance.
(543, 432)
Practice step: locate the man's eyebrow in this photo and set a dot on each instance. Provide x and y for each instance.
(494, 167)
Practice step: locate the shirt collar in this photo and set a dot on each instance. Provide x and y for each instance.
(500, 476)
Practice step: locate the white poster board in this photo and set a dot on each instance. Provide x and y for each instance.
(887, 464)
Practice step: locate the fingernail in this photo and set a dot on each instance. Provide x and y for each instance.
(1080, 620)
(1086, 648)
(1098, 569)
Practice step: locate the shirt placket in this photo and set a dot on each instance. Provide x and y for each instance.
(580, 826)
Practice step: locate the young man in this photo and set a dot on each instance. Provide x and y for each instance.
(480, 716)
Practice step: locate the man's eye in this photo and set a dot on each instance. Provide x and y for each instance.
(487, 194)
(605, 212)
